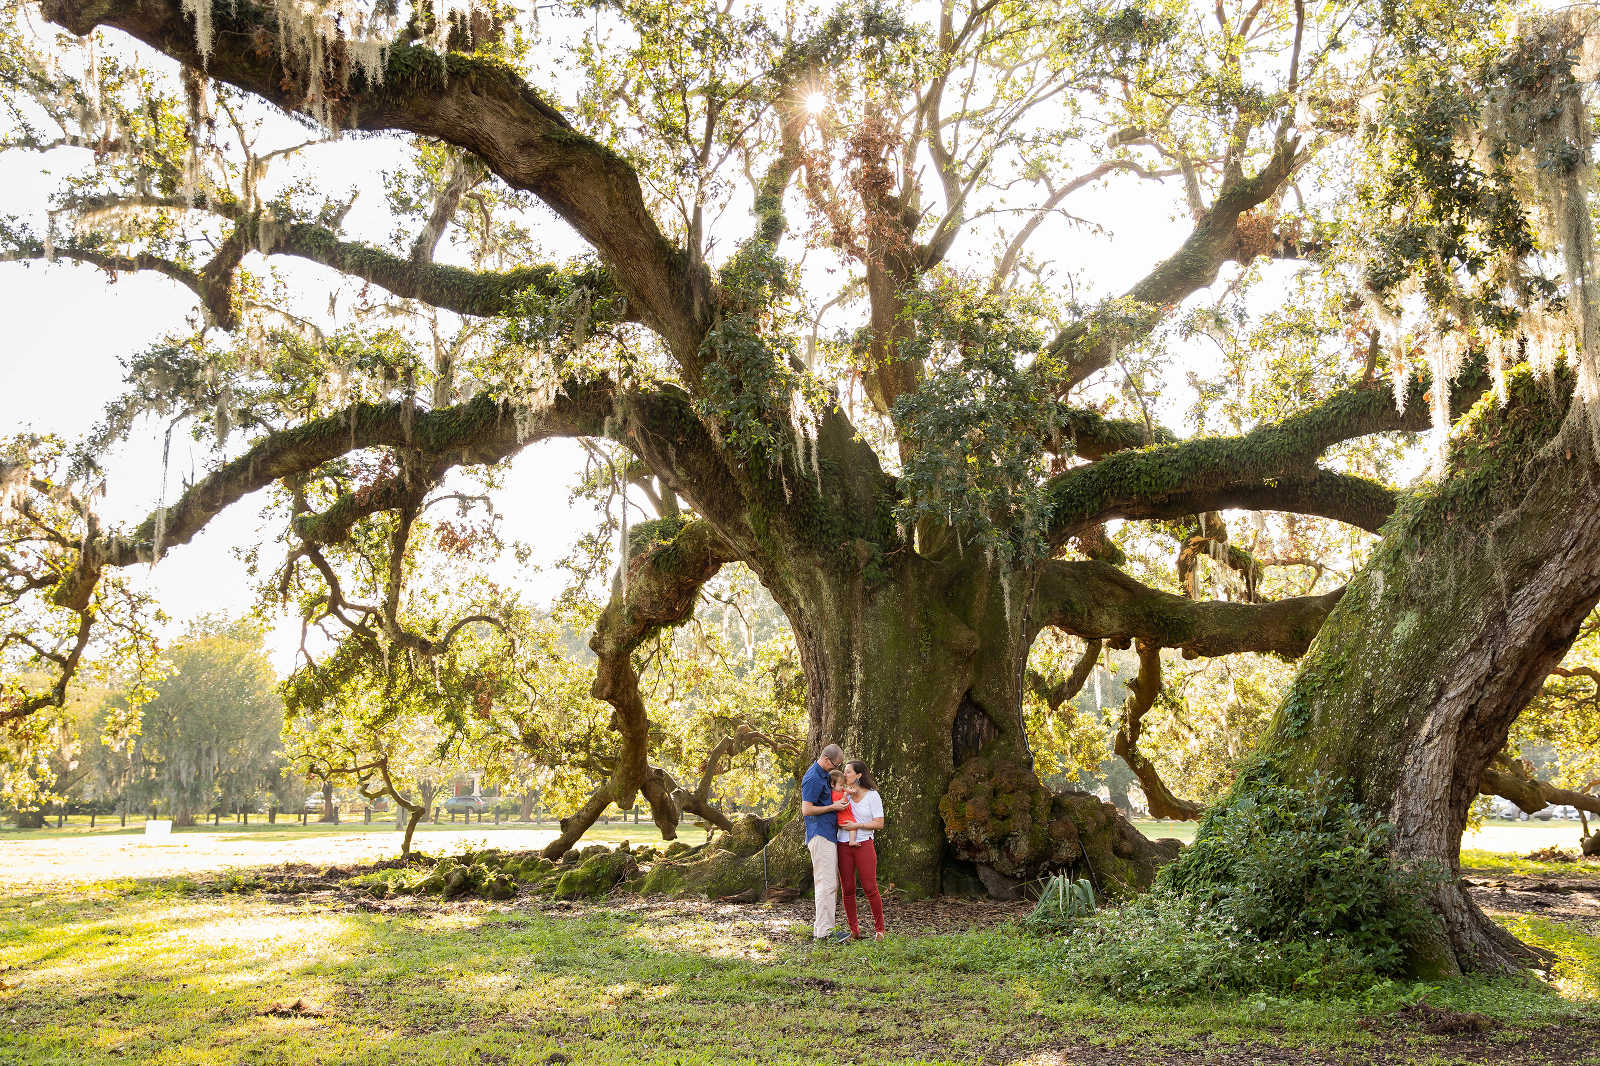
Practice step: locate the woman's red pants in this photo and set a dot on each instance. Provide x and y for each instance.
(860, 859)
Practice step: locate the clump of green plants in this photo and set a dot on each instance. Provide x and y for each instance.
(1285, 863)
(1062, 903)
(1164, 945)
(1284, 889)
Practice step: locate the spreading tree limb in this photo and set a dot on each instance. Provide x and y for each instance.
(1511, 778)
(1273, 467)
(1099, 602)
(1088, 346)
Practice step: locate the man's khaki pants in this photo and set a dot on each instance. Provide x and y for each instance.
(825, 877)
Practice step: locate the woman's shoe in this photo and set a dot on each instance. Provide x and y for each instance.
(877, 936)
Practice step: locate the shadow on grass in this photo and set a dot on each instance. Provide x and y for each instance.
(473, 983)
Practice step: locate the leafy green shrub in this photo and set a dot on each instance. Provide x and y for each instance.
(1163, 945)
(1284, 864)
(1284, 889)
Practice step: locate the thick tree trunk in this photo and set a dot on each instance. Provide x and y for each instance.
(914, 666)
(330, 813)
(1476, 591)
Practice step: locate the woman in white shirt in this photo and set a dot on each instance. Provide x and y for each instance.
(860, 858)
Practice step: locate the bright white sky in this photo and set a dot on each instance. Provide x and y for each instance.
(66, 328)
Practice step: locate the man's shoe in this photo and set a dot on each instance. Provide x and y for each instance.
(841, 937)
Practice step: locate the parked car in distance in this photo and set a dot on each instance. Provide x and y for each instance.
(465, 804)
(1504, 808)
(314, 803)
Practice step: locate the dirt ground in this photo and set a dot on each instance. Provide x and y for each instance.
(1574, 898)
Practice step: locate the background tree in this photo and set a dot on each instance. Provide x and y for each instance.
(210, 736)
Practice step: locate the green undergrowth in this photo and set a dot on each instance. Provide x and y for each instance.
(101, 976)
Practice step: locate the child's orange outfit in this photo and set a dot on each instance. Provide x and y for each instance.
(847, 817)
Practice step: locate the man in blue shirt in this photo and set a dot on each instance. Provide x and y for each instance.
(822, 826)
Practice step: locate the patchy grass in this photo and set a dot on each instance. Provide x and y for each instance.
(163, 976)
(1577, 944)
(1499, 862)
(1183, 831)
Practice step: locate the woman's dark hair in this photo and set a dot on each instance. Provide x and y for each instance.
(861, 768)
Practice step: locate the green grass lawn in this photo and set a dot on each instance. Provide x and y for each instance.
(134, 973)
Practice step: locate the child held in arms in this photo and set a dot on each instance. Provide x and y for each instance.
(847, 816)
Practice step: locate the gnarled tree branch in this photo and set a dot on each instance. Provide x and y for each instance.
(659, 590)
(1086, 347)
(1144, 689)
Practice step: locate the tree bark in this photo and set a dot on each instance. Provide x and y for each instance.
(1477, 590)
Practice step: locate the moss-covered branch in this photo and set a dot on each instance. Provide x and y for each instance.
(482, 293)
(1270, 468)
(1088, 434)
(1100, 602)
(484, 430)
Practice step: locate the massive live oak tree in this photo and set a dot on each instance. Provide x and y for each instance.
(921, 539)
